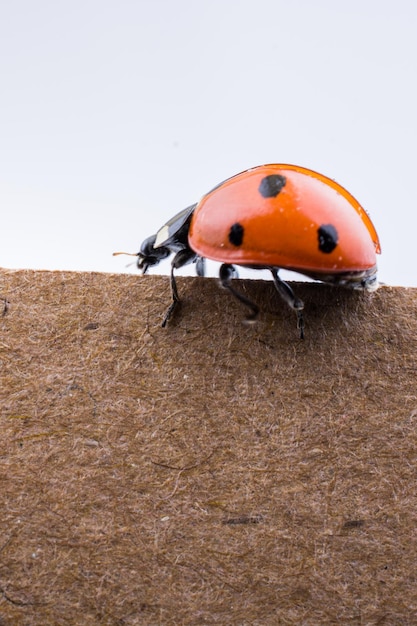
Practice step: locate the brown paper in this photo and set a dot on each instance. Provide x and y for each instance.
(212, 472)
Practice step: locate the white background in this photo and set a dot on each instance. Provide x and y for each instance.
(115, 115)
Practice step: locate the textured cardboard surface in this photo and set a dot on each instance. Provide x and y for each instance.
(210, 472)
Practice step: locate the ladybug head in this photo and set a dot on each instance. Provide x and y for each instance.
(149, 255)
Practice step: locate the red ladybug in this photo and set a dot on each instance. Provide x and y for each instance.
(272, 217)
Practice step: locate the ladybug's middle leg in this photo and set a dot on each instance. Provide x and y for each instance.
(200, 266)
(290, 298)
(226, 274)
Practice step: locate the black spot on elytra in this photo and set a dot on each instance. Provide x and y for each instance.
(236, 233)
(271, 185)
(328, 238)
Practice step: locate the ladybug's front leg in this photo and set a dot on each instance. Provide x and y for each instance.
(181, 258)
(290, 298)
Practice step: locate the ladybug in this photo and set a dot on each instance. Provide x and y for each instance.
(271, 217)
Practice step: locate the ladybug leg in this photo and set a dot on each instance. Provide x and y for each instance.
(200, 266)
(175, 299)
(290, 298)
(226, 274)
(182, 257)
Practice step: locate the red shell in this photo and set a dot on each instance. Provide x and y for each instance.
(284, 216)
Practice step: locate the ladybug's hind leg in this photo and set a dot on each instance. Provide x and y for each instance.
(181, 258)
(226, 274)
(290, 298)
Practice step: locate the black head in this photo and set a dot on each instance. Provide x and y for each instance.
(149, 256)
(171, 237)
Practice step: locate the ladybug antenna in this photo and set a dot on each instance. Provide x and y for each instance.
(126, 253)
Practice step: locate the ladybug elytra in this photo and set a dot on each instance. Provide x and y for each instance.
(272, 217)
